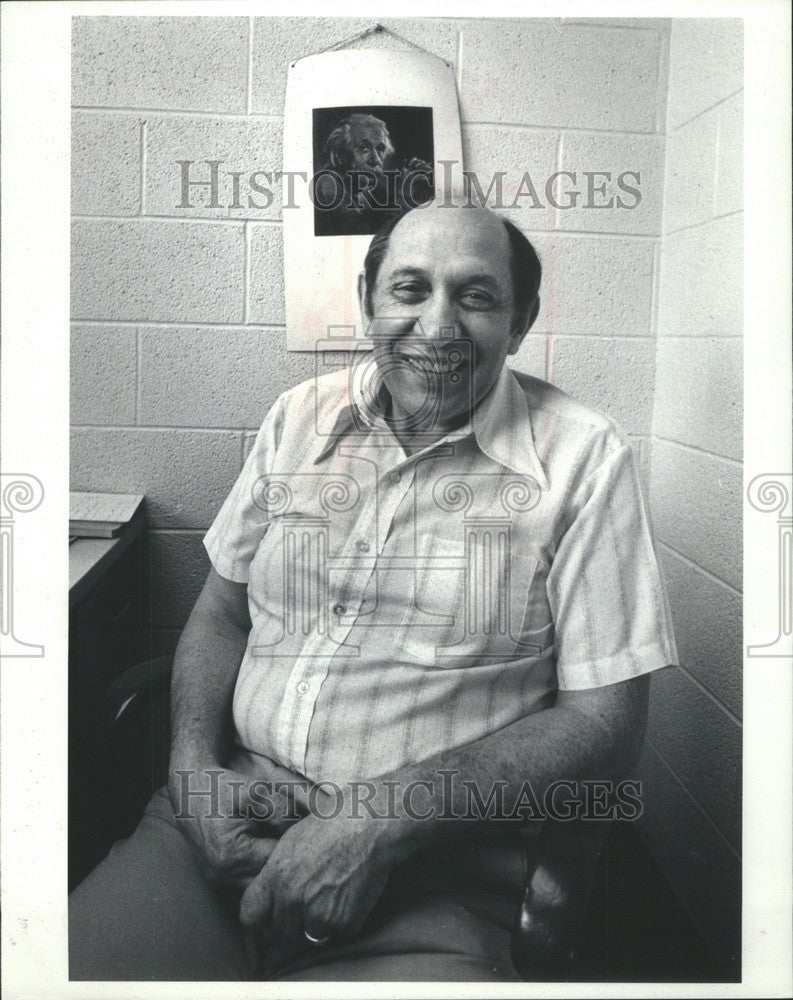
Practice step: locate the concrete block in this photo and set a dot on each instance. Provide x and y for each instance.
(729, 166)
(701, 288)
(250, 146)
(690, 172)
(530, 71)
(705, 65)
(648, 23)
(699, 393)
(492, 149)
(177, 568)
(277, 41)
(103, 375)
(594, 287)
(106, 164)
(182, 63)
(703, 870)
(613, 375)
(702, 745)
(215, 378)
(531, 356)
(707, 619)
(185, 475)
(696, 505)
(266, 289)
(623, 157)
(151, 270)
(658, 24)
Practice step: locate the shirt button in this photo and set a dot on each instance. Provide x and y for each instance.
(395, 477)
(362, 546)
(302, 688)
(339, 609)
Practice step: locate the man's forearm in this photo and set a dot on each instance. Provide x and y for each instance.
(205, 671)
(560, 743)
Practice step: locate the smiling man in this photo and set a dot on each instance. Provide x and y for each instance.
(434, 578)
(448, 296)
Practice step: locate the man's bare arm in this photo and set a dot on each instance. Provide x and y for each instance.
(325, 875)
(226, 827)
(205, 670)
(230, 847)
(589, 734)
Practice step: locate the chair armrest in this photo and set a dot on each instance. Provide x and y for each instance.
(132, 689)
(561, 868)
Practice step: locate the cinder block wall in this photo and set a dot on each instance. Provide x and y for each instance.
(178, 315)
(692, 762)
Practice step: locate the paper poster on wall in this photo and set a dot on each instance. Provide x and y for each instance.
(367, 133)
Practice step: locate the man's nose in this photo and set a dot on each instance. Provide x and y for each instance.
(438, 318)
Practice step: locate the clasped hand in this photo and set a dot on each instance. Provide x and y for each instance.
(324, 876)
(297, 871)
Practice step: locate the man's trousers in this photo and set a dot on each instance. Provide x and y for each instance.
(148, 913)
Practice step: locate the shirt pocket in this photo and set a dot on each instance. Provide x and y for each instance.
(472, 601)
(309, 519)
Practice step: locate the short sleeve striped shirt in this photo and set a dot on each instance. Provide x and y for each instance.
(403, 605)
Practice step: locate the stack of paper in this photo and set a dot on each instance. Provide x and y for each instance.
(101, 515)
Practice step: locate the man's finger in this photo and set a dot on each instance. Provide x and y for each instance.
(256, 905)
(242, 863)
(250, 855)
(258, 851)
(287, 918)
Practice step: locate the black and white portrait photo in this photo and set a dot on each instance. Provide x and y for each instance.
(417, 393)
(370, 164)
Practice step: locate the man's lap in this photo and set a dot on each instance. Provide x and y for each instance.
(147, 912)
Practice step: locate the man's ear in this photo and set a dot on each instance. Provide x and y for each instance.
(519, 333)
(362, 301)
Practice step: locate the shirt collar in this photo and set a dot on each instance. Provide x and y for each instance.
(501, 426)
(345, 421)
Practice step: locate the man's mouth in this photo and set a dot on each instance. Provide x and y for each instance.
(445, 361)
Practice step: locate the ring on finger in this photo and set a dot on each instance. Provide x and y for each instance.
(317, 942)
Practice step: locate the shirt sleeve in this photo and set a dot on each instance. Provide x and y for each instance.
(610, 609)
(239, 527)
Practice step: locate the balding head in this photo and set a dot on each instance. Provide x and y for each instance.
(450, 220)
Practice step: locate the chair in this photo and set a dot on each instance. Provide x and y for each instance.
(134, 730)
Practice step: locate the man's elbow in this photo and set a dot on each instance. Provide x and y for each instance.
(631, 728)
(616, 717)
(222, 608)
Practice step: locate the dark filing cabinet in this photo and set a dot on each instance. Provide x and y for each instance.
(106, 636)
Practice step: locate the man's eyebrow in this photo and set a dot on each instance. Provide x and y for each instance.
(407, 272)
(482, 278)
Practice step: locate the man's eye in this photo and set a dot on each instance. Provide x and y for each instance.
(365, 147)
(478, 299)
(408, 290)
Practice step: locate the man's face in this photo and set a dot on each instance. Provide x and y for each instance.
(368, 147)
(443, 313)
